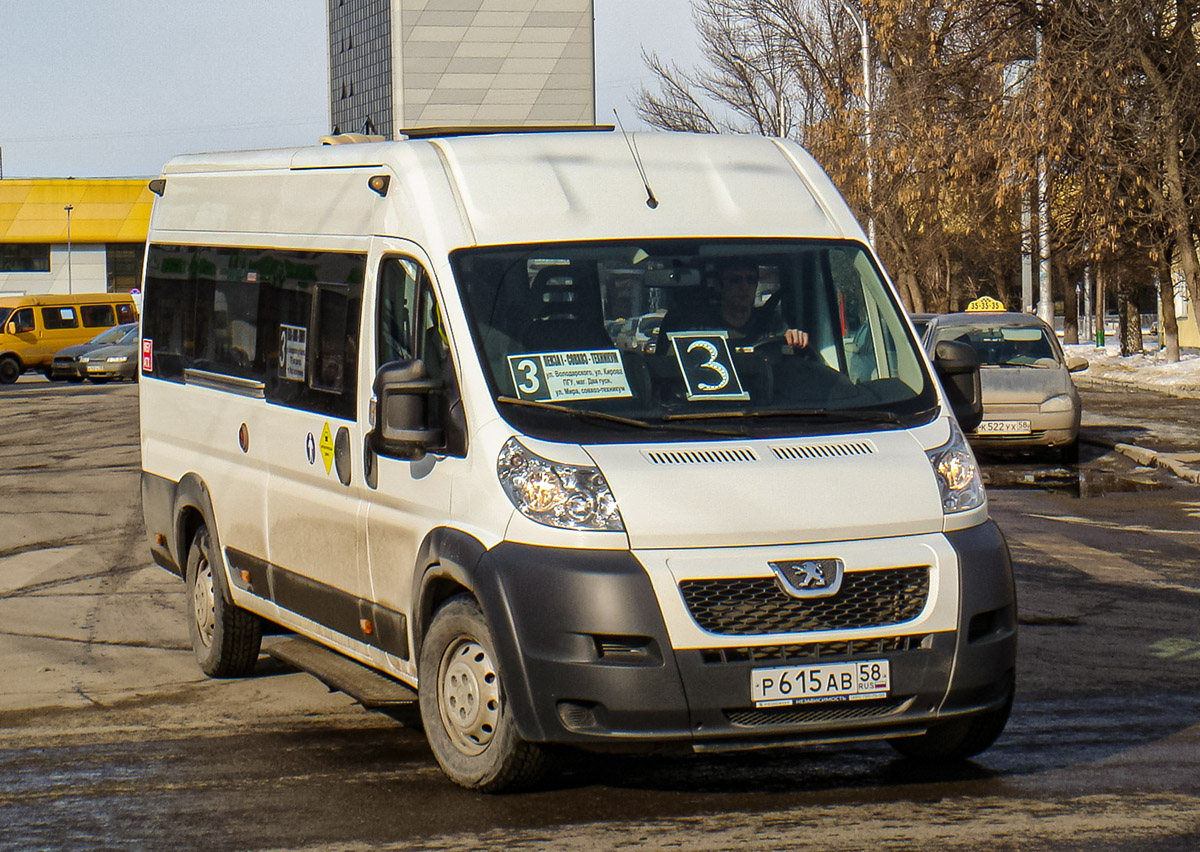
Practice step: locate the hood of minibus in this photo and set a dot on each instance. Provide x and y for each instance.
(778, 491)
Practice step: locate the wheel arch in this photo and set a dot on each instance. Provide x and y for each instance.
(446, 564)
(193, 508)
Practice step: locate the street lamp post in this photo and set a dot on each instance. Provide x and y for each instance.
(865, 50)
(70, 287)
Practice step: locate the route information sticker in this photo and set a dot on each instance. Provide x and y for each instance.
(561, 376)
(293, 351)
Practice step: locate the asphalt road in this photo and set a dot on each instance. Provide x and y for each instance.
(111, 739)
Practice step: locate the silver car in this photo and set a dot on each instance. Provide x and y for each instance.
(116, 360)
(67, 364)
(1029, 399)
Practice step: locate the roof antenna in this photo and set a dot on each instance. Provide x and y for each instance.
(651, 201)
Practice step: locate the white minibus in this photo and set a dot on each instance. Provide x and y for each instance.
(385, 419)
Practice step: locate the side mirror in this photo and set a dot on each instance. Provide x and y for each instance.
(1076, 364)
(10, 328)
(402, 394)
(957, 367)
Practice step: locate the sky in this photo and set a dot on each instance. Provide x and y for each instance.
(115, 88)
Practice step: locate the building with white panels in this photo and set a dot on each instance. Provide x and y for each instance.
(423, 63)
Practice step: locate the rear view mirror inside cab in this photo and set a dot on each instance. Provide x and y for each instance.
(675, 277)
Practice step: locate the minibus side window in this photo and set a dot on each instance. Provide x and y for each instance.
(289, 319)
(126, 313)
(97, 316)
(170, 310)
(397, 290)
(53, 318)
(335, 353)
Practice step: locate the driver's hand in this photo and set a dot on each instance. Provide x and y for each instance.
(796, 337)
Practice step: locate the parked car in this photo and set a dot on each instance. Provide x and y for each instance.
(1029, 399)
(117, 360)
(921, 323)
(66, 364)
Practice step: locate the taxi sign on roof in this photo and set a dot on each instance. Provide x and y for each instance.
(986, 303)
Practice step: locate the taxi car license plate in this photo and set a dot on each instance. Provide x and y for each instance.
(854, 681)
(1003, 427)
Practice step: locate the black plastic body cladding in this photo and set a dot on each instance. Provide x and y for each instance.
(586, 658)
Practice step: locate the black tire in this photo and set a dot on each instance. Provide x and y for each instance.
(10, 370)
(957, 739)
(75, 380)
(467, 719)
(226, 639)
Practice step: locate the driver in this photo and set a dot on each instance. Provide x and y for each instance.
(739, 286)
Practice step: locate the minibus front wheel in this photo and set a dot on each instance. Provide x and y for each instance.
(957, 739)
(225, 638)
(467, 720)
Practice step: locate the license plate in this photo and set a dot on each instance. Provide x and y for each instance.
(95, 368)
(1003, 427)
(820, 682)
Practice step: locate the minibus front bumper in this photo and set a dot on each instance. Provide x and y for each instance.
(586, 658)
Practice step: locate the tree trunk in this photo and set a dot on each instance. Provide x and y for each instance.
(1129, 320)
(1168, 324)
(1102, 270)
(910, 292)
(1070, 302)
(1173, 197)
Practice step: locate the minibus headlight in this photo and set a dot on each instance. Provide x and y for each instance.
(557, 495)
(957, 472)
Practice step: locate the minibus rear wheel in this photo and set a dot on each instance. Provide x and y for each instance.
(467, 720)
(225, 637)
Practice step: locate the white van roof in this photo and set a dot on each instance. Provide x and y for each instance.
(520, 188)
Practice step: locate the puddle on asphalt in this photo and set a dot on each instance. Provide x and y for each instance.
(1087, 481)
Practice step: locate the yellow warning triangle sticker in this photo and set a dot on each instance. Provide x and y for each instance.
(327, 447)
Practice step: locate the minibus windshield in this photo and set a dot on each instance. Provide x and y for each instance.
(764, 337)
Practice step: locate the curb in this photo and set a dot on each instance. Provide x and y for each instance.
(1180, 464)
(1180, 391)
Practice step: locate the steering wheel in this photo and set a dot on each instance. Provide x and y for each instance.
(764, 347)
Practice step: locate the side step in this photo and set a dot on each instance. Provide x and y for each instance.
(370, 688)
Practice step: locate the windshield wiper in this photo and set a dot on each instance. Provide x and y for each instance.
(592, 414)
(833, 414)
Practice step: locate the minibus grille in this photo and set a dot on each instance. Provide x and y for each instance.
(751, 606)
(802, 714)
(814, 651)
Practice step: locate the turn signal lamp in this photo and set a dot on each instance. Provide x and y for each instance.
(957, 472)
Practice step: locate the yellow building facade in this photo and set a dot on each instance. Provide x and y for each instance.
(72, 235)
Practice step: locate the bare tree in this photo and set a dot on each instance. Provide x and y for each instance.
(971, 103)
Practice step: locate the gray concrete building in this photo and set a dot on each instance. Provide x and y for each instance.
(395, 64)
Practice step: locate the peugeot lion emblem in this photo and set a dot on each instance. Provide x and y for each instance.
(809, 578)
